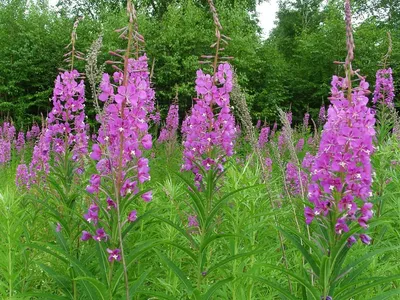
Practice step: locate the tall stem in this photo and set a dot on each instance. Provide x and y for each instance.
(119, 175)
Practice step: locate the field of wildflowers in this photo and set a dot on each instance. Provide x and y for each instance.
(208, 207)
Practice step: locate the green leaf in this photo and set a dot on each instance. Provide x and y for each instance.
(314, 292)
(196, 197)
(134, 253)
(191, 254)
(212, 238)
(275, 286)
(64, 282)
(99, 287)
(138, 282)
(221, 202)
(43, 296)
(325, 274)
(178, 272)
(155, 294)
(178, 228)
(386, 295)
(103, 262)
(352, 290)
(231, 258)
(351, 266)
(217, 286)
(295, 238)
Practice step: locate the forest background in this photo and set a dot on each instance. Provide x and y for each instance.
(291, 69)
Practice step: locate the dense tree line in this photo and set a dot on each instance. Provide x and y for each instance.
(292, 68)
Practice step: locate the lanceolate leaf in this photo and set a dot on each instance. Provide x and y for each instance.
(99, 287)
(178, 272)
(231, 258)
(313, 260)
(217, 286)
(138, 282)
(276, 286)
(352, 289)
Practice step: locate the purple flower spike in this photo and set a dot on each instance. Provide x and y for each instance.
(341, 175)
(263, 138)
(168, 133)
(122, 140)
(92, 215)
(211, 126)
(384, 88)
(22, 177)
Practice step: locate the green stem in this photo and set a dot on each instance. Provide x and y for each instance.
(110, 278)
(10, 287)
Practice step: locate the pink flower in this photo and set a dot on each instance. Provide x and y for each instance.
(132, 216)
(100, 235)
(114, 255)
(147, 196)
(192, 221)
(86, 236)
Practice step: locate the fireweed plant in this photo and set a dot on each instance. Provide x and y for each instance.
(339, 192)
(383, 97)
(119, 153)
(53, 176)
(76, 222)
(169, 133)
(209, 134)
(386, 117)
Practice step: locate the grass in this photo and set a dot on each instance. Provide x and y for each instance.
(36, 262)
